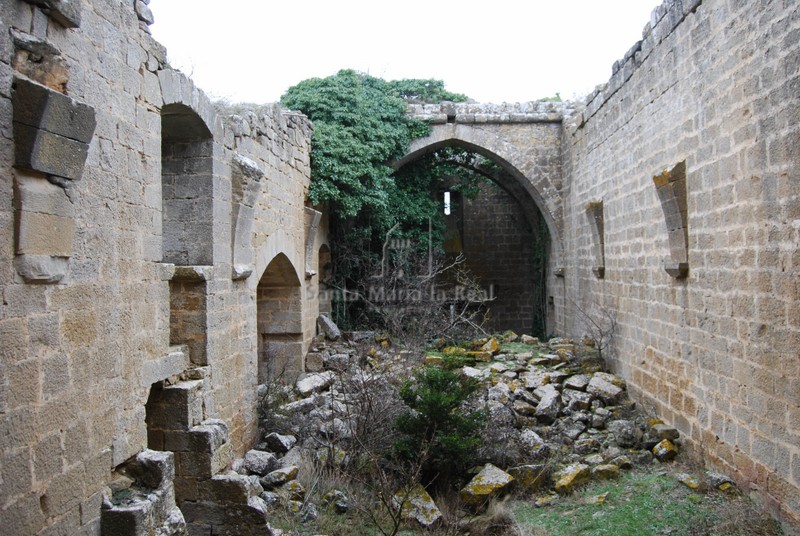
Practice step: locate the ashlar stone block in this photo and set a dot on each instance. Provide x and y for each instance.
(51, 131)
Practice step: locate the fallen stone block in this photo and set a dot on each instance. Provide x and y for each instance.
(260, 462)
(417, 505)
(315, 383)
(571, 476)
(489, 483)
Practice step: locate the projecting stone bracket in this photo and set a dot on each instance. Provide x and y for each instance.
(595, 215)
(51, 131)
(671, 189)
(193, 274)
(44, 228)
(312, 224)
(247, 180)
(677, 270)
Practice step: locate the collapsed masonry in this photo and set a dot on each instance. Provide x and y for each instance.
(157, 249)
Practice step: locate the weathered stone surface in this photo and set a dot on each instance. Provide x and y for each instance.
(314, 362)
(65, 12)
(665, 451)
(337, 501)
(578, 382)
(688, 480)
(475, 373)
(626, 433)
(527, 339)
(529, 477)
(571, 476)
(604, 390)
(51, 131)
(417, 505)
(280, 443)
(278, 477)
(489, 483)
(549, 405)
(576, 400)
(664, 431)
(491, 346)
(315, 382)
(605, 471)
(329, 328)
(260, 462)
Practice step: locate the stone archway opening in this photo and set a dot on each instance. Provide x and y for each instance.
(505, 238)
(279, 318)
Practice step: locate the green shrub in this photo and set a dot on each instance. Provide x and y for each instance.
(438, 431)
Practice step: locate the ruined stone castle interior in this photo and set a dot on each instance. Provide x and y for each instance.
(158, 255)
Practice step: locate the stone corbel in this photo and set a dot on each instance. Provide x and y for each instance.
(247, 182)
(672, 193)
(51, 138)
(594, 213)
(312, 224)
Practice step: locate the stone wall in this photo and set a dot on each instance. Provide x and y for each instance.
(137, 221)
(499, 243)
(693, 148)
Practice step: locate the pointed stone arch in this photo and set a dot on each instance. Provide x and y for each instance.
(279, 315)
(523, 166)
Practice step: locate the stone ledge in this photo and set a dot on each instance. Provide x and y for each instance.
(193, 273)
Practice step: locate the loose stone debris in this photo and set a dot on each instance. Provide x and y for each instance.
(565, 420)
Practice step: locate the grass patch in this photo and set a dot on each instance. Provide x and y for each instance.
(644, 503)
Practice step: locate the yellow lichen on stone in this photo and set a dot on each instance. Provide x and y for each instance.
(416, 504)
(491, 346)
(688, 480)
(487, 484)
(571, 476)
(434, 359)
(605, 471)
(665, 451)
(480, 356)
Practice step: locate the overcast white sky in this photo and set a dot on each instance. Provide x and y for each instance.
(496, 51)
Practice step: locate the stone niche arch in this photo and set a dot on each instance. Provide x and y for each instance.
(186, 187)
(279, 321)
(187, 224)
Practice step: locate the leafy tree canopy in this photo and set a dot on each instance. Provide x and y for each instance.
(360, 126)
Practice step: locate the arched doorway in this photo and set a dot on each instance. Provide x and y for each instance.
(279, 317)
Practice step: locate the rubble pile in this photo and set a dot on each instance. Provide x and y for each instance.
(555, 420)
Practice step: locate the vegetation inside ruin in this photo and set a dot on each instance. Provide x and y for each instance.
(360, 128)
(410, 431)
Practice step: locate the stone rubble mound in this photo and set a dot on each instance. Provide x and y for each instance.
(564, 420)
